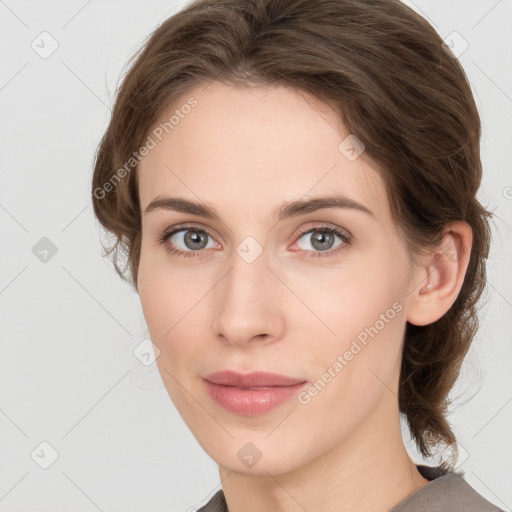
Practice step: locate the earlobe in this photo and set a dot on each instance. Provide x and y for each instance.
(440, 277)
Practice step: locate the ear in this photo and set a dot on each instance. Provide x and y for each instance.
(439, 278)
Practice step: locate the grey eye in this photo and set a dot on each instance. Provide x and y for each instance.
(320, 239)
(191, 239)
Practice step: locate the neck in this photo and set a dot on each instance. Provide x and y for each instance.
(369, 471)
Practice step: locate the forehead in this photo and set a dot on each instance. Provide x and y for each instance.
(257, 147)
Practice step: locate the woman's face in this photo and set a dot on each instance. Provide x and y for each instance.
(249, 292)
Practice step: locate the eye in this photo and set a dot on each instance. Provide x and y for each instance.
(186, 241)
(323, 241)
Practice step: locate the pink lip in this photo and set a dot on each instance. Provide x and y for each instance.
(252, 393)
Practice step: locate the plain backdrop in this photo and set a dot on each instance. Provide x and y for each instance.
(84, 425)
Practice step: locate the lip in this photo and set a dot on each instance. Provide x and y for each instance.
(251, 380)
(253, 393)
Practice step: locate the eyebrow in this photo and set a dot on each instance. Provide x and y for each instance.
(285, 211)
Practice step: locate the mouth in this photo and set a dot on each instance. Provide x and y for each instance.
(253, 393)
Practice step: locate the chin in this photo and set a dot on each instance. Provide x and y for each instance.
(252, 454)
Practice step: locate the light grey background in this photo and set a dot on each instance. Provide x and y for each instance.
(68, 376)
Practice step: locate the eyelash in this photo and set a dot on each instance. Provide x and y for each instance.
(345, 238)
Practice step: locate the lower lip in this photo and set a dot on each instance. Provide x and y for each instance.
(251, 401)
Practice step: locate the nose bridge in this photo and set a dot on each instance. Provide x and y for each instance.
(245, 285)
(246, 306)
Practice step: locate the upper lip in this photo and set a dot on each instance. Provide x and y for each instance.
(253, 379)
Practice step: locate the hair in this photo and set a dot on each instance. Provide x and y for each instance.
(391, 81)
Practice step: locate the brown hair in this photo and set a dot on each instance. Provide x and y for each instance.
(394, 85)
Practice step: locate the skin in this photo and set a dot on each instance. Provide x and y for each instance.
(246, 152)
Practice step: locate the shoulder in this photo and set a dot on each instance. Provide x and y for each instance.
(446, 492)
(216, 504)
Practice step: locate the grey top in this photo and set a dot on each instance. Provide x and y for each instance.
(447, 491)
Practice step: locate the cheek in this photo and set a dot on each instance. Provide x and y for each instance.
(157, 294)
(363, 307)
(360, 363)
(175, 305)
(167, 308)
(354, 296)
(162, 290)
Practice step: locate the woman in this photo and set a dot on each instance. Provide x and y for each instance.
(293, 183)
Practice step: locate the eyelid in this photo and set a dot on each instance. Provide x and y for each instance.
(323, 225)
(183, 227)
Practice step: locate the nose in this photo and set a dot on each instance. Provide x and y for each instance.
(249, 304)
